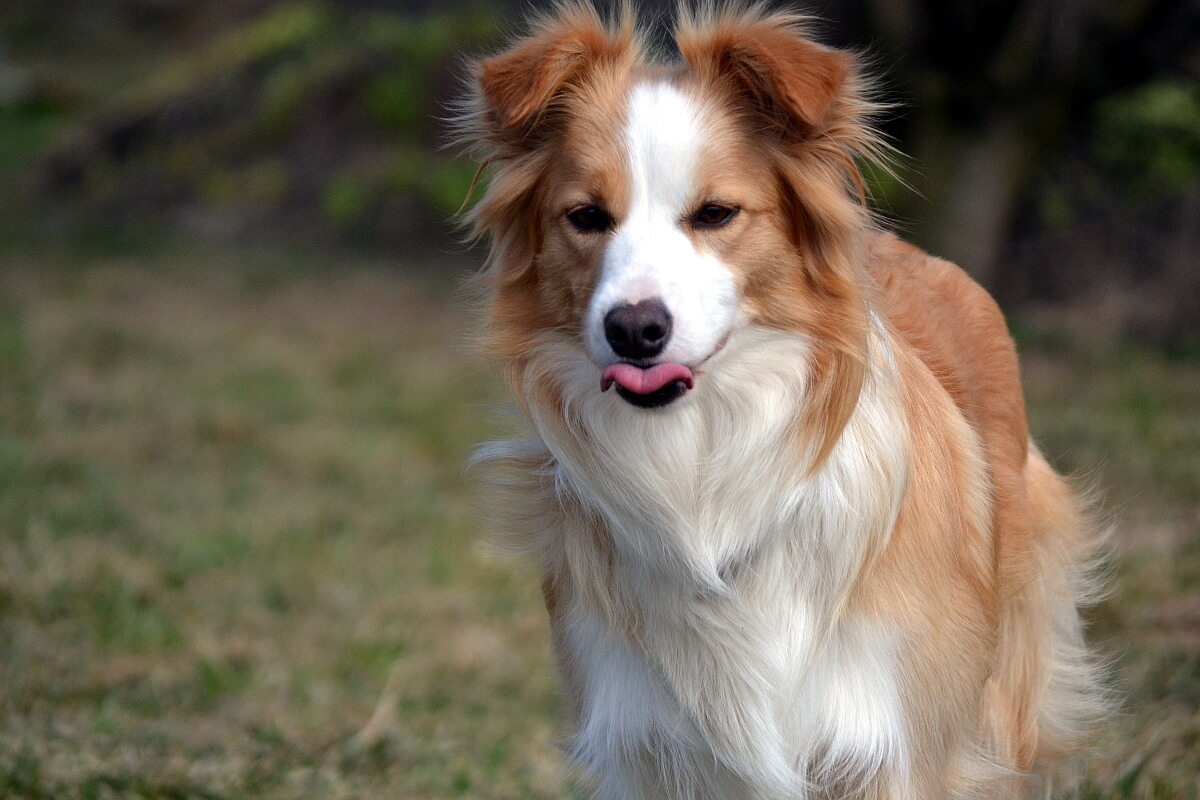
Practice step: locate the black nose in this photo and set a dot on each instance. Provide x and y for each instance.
(638, 331)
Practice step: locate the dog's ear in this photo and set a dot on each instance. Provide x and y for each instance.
(767, 61)
(519, 87)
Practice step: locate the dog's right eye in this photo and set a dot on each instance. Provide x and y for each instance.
(589, 219)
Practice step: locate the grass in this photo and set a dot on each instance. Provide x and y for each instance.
(238, 557)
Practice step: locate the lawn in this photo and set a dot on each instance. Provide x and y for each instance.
(238, 556)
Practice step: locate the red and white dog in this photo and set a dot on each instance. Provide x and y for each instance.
(804, 547)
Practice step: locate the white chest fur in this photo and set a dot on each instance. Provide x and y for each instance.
(838, 721)
(739, 676)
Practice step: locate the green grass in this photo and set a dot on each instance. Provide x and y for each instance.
(238, 557)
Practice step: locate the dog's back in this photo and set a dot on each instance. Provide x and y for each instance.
(1044, 694)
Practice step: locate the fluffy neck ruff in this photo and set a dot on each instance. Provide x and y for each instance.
(675, 530)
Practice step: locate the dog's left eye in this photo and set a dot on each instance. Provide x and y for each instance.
(713, 215)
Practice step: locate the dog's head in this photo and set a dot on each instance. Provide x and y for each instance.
(653, 210)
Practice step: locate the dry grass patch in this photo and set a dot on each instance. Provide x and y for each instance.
(233, 507)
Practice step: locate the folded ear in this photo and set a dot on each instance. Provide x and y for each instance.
(519, 86)
(766, 59)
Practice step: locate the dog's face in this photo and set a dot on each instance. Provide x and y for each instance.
(664, 227)
(655, 210)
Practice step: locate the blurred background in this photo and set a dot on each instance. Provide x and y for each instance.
(238, 557)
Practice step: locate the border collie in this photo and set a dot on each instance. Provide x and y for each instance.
(796, 540)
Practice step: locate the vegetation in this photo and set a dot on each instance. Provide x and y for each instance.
(239, 557)
(308, 117)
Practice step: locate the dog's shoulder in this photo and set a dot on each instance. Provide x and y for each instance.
(958, 331)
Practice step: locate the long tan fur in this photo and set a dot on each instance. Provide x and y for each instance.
(838, 567)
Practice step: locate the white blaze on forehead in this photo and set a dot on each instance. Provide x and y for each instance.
(651, 255)
(663, 139)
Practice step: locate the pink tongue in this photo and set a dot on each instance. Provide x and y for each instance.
(644, 381)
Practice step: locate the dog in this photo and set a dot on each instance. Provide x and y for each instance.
(796, 540)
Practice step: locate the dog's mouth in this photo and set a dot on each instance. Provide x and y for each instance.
(652, 386)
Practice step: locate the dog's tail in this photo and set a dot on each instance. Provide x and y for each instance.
(1048, 693)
